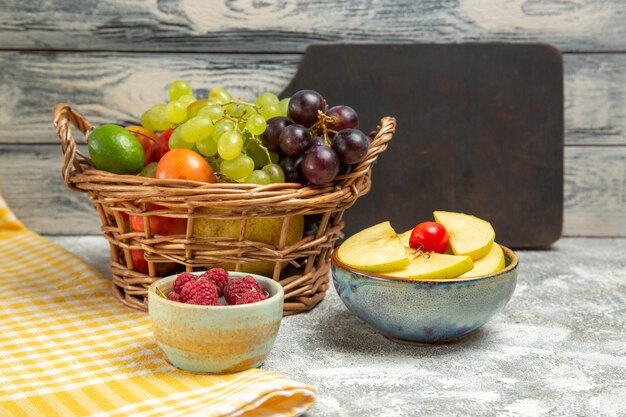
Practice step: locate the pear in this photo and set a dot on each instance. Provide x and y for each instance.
(469, 235)
(375, 249)
(258, 230)
(489, 264)
(430, 265)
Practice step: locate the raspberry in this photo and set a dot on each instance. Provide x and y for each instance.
(174, 296)
(181, 280)
(235, 288)
(250, 297)
(201, 292)
(217, 276)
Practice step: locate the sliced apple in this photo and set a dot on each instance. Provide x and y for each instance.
(404, 238)
(469, 235)
(433, 266)
(375, 249)
(489, 264)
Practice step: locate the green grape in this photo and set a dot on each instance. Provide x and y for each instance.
(158, 117)
(270, 110)
(283, 105)
(222, 127)
(257, 154)
(256, 124)
(178, 89)
(213, 112)
(237, 168)
(176, 112)
(207, 146)
(146, 120)
(235, 110)
(187, 99)
(176, 141)
(194, 108)
(219, 95)
(259, 177)
(196, 128)
(266, 98)
(275, 172)
(229, 145)
(249, 111)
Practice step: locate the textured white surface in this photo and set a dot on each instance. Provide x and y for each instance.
(558, 348)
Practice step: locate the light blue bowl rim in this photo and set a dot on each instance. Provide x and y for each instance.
(508, 253)
(280, 293)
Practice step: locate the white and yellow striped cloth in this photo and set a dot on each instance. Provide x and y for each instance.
(67, 348)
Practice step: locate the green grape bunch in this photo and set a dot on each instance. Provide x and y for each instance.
(226, 131)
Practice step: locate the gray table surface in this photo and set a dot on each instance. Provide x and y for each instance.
(557, 349)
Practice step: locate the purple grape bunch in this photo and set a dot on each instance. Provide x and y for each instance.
(315, 144)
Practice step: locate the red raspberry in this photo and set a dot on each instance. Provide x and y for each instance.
(174, 296)
(201, 292)
(235, 288)
(181, 280)
(250, 297)
(217, 276)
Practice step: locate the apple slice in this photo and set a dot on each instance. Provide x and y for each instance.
(433, 266)
(489, 264)
(404, 238)
(375, 249)
(469, 235)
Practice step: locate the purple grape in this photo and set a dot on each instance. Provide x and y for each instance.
(304, 105)
(351, 145)
(346, 118)
(275, 125)
(320, 165)
(291, 168)
(294, 140)
(317, 141)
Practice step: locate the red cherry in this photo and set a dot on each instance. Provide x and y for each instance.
(158, 148)
(430, 237)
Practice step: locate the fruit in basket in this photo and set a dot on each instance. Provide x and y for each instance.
(430, 237)
(159, 148)
(159, 225)
(425, 265)
(351, 145)
(304, 107)
(375, 249)
(144, 136)
(184, 164)
(149, 170)
(320, 164)
(140, 264)
(344, 117)
(257, 230)
(114, 149)
(468, 234)
(221, 128)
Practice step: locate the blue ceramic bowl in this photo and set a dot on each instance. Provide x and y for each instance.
(424, 311)
(215, 339)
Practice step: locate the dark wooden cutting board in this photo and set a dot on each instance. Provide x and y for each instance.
(480, 131)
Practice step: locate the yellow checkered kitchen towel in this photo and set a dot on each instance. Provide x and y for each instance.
(67, 348)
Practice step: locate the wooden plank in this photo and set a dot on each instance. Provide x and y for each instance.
(30, 180)
(595, 191)
(118, 87)
(251, 26)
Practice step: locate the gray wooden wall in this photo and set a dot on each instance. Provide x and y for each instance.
(112, 59)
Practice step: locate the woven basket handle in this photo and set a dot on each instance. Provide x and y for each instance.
(382, 135)
(61, 115)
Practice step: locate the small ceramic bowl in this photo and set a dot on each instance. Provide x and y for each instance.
(215, 339)
(424, 311)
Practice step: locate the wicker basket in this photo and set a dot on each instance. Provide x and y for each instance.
(302, 267)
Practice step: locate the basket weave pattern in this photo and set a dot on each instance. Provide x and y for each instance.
(305, 278)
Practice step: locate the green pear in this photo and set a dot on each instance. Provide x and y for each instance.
(469, 235)
(257, 230)
(430, 265)
(375, 249)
